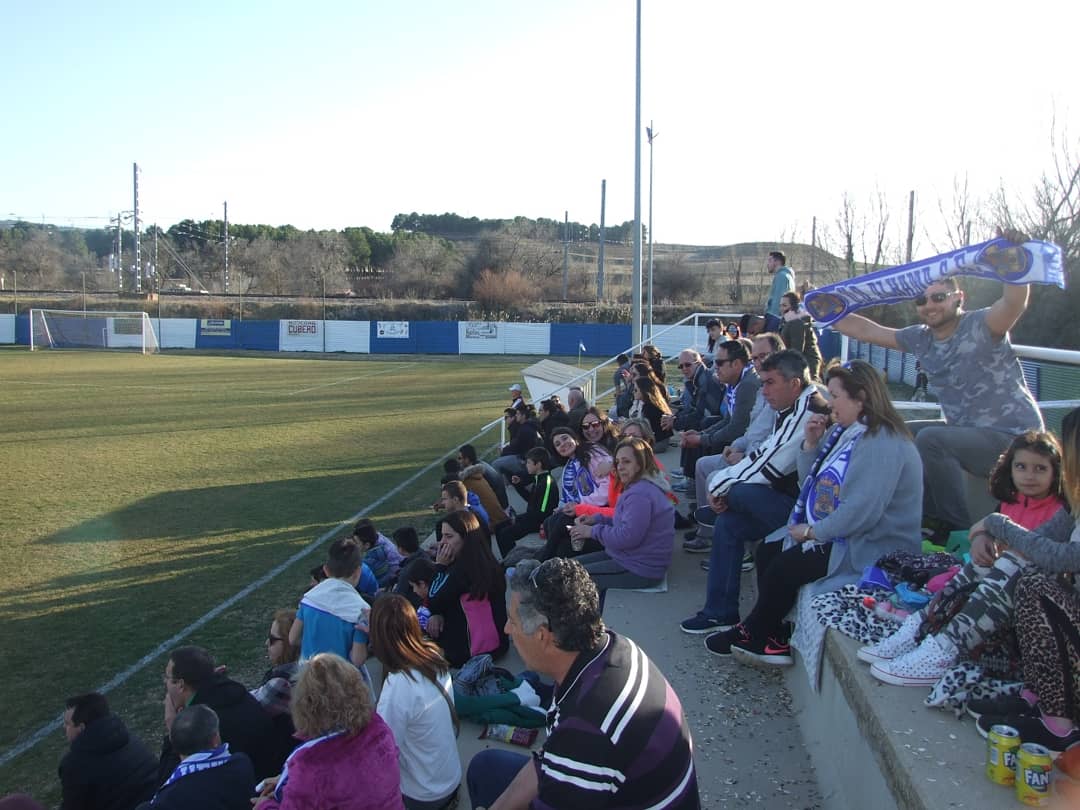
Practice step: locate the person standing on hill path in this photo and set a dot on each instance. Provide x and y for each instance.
(971, 366)
(783, 282)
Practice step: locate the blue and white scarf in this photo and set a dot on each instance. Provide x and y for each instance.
(202, 761)
(729, 394)
(820, 492)
(577, 481)
(279, 788)
(999, 259)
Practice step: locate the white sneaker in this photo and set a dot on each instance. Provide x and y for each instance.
(900, 642)
(923, 666)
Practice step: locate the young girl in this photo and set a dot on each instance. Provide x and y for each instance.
(1027, 479)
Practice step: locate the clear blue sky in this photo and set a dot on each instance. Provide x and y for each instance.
(330, 114)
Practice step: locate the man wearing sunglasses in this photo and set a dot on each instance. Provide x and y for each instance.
(973, 370)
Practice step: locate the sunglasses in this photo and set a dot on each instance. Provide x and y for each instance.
(937, 298)
(590, 425)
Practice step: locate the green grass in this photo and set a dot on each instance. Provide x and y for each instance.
(139, 492)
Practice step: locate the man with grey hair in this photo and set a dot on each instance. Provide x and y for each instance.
(208, 776)
(611, 704)
(576, 402)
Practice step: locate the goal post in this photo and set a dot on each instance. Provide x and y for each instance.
(72, 329)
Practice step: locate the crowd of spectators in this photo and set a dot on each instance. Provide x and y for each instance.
(808, 460)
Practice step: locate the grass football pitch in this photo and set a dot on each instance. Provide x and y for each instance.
(138, 493)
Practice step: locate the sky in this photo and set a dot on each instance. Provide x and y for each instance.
(332, 114)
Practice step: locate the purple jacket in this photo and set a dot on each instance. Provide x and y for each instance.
(349, 773)
(641, 533)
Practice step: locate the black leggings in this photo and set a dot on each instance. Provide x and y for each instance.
(557, 530)
(780, 574)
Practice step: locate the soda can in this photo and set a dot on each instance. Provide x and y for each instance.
(1033, 765)
(1002, 743)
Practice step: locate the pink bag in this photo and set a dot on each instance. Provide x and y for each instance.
(483, 635)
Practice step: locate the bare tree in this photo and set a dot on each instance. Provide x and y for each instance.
(849, 225)
(879, 212)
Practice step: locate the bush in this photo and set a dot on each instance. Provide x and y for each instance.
(502, 292)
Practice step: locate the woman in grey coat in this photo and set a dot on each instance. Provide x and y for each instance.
(861, 498)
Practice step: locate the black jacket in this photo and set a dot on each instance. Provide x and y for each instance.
(244, 725)
(226, 787)
(107, 768)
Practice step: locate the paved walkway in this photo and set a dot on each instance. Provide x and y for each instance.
(747, 743)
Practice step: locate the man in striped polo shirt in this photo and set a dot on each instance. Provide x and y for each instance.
(617, 736)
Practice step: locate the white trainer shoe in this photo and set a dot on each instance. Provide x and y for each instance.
(901, 642)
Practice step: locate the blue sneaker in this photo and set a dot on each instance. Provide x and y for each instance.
(699, 624)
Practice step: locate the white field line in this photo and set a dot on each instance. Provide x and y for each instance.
(350, 379)
(205, 389)
(50, 727)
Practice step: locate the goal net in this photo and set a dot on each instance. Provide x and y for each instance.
(63, 329)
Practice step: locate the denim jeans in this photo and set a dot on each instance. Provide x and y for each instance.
(753, 510)
(490, 773)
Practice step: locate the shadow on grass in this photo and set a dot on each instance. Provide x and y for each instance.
(152, 568)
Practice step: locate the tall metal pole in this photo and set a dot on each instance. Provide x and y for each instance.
(120, 252)
(600, 258)
(651, 134)
(226, 205)
(155, 256)
(566, 255)
(138, 253)
(635, 327)
(813, 248)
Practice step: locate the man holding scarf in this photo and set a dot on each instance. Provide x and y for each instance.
(979, 383)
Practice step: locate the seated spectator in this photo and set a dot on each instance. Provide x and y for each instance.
(715, 329)
(755, 496)
(191, 679)
(797, 332)
(408, 544)
(328, 613)
(751, 325)
(552, 415)
(1028, 482)
(732, 331)
(619, 376)
(374, 553)
(859, 500)
(596, 428)
(762, 420)
(417, 702)
(208, 776)
(421, 575)
(367, 587)
(474, 481)
(636, 541)
(467, 457)
(639, 368)
(702, 395)
(585, 479)
(656, 362)
(276, 688)
(524, 436)
(467, 595)
(740, 383)
(650, 402)
(1047, 711)
(601, 679)
(454, 497)
(106, 768)
(348, 760)
(577, 404)
(543, 498)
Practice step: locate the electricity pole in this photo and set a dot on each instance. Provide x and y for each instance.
(600, 260)
(138, 254)
(226, 204)
(566, 255)
(635, 328)
(651, 134)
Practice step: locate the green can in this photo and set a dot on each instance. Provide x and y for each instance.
(1033, 765)
(1002, 743)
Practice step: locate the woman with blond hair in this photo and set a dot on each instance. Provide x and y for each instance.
(417, 702)
(348, 760)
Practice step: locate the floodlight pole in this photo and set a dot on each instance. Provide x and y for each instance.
(83, 274)
(651, 134)
(635, 327)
